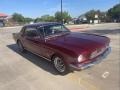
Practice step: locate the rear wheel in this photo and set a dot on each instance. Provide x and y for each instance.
(60, 65)
(20, 46)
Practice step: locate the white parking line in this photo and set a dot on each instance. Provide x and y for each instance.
(105, 74)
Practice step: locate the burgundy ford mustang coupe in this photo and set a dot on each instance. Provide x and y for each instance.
(65, 49)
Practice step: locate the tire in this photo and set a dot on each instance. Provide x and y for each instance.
(20, 47)
(59, 65)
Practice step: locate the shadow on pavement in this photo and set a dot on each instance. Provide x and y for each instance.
(103, 32)
(40, 62)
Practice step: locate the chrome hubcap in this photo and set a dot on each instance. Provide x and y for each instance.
(59, 64)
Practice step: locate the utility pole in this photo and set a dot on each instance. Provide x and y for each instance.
(61, 11)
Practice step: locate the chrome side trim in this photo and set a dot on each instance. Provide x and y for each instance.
(39, 55)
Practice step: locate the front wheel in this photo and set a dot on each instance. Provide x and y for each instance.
(60, 65)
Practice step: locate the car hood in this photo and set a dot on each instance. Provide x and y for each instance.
(79, 42)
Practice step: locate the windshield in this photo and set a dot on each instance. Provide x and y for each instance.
(55, 30)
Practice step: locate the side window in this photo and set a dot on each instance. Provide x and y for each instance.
(31, 32)
(41, 31)
(47, 30)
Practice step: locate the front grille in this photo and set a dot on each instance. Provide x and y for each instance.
(97, 52)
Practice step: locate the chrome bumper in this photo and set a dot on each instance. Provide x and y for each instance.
(97, 60)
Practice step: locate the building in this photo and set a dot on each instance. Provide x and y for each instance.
(83, 19)
(96, 20)
(80, 20)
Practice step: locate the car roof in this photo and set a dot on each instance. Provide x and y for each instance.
(41, 24)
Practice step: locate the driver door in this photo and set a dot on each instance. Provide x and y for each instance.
(31, 39)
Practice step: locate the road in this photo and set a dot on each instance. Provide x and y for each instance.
(29, 72)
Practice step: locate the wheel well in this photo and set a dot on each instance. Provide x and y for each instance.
(53, 56)
(56, 54)
(17, 41)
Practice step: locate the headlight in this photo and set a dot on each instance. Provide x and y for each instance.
(80, 58)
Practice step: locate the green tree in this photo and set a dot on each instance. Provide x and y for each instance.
(38, 20)
(114, 13)
(102, 16)
(28, 20)
(18, 18)
(91, 15)
(64, 17)
(45, 18)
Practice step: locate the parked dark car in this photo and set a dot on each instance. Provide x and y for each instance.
(65, 49)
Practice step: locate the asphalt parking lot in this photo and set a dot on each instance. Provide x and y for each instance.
(29, 72)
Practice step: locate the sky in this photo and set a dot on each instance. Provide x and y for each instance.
(37, 8)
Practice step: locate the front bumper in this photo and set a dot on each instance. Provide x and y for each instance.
(96, 60)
